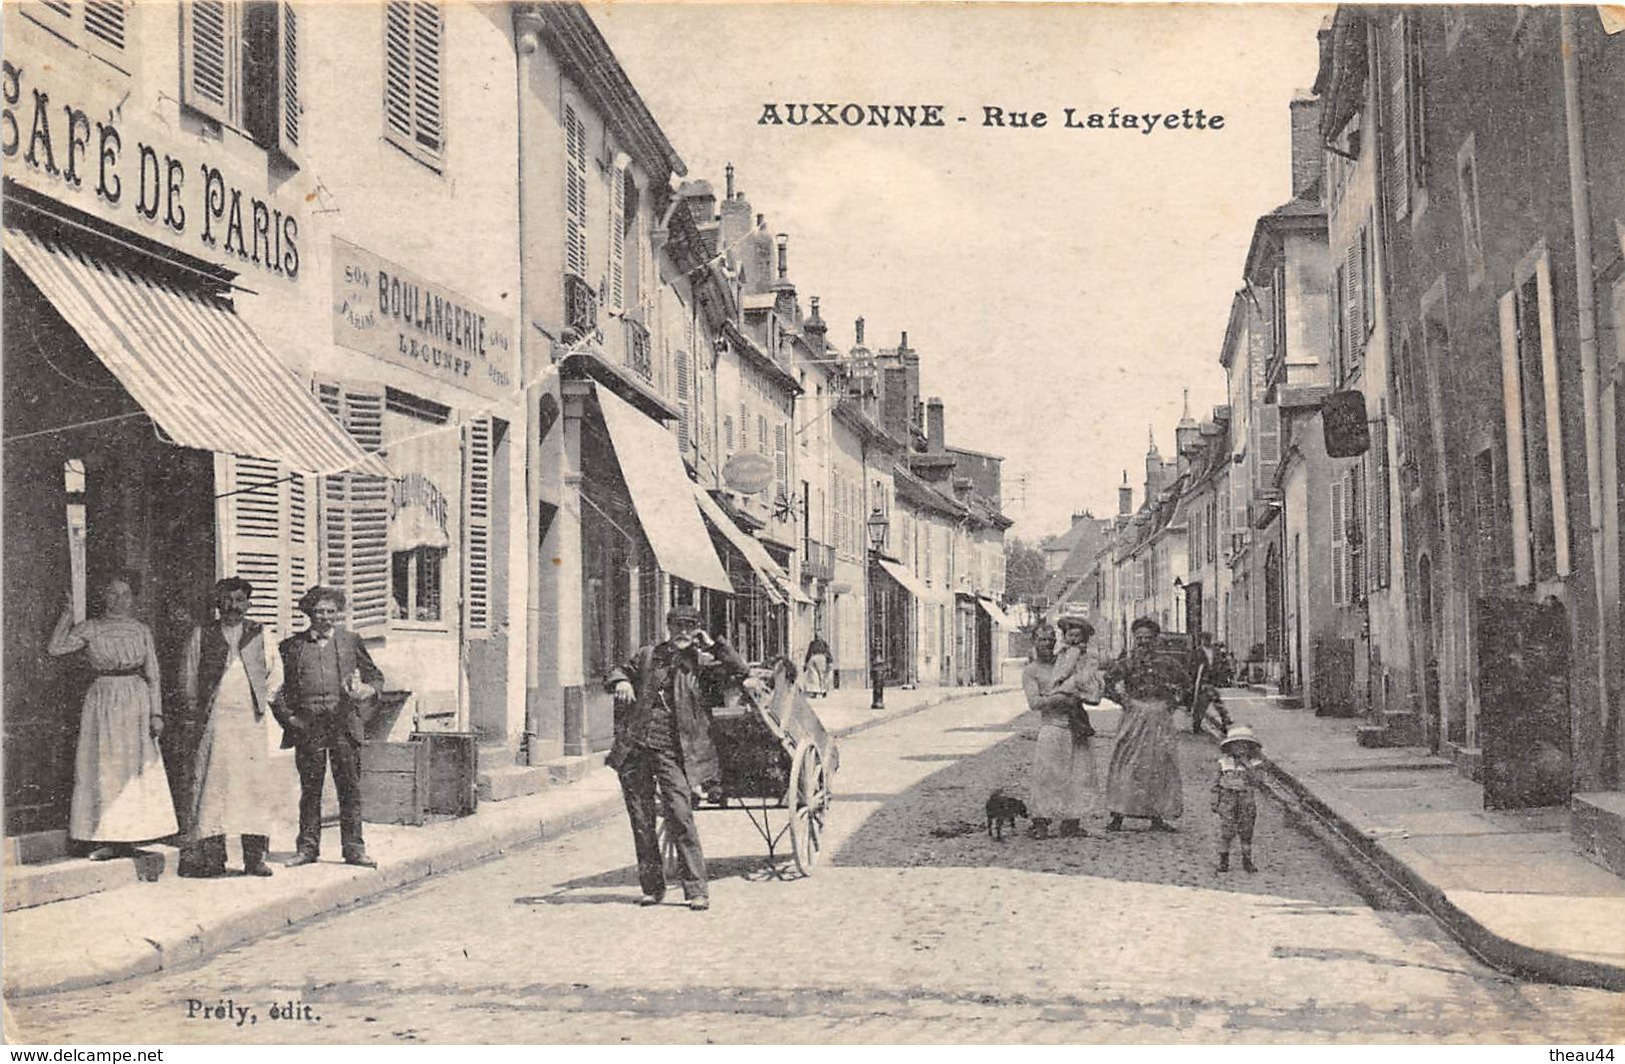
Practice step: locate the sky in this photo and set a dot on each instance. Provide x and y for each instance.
(1064, 287)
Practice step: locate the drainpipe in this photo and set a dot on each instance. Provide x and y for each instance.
(1585, 305)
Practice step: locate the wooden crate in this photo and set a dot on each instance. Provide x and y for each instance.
(394, 782)
(454, 771)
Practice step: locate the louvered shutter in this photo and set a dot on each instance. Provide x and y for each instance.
(1377, 544)
(289, 109)
(209, 58)
(617, 239)
(412, 76)
(479, 455)
(1354, 503)
(1339, 544)
(1351, 303)
(1399, 163)
(355, 512)
(728, 433)
(575, 193)
(263, 510)
(301, 550)
(781, 460)
(761, 434)
(1269, 443)
(1368, 281)
(682, 401)
(106, 29)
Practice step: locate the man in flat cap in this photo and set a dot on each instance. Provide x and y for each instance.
(663, 739)
(329, 682)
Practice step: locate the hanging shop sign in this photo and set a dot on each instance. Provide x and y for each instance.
(70, 140)
(393, 314)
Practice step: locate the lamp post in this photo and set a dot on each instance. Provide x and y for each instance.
(878, 526)
(1179, 611)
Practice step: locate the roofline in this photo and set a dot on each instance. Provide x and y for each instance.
(587, 58)
(948, 449)
(761, 359)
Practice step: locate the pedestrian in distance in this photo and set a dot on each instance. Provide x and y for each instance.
(1240, 774)
(815, 667)
(225, 692)
(663, 744)
(120, 791)
(1142, 778)
(1063, 773)
(330, 686)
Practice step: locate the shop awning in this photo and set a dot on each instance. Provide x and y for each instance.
(752, 551)
(910, 583)
(769, 572)
(194, 366)
(662, 494)
(991, 608)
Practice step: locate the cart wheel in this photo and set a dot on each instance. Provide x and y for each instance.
(668, 848)
(808, 800)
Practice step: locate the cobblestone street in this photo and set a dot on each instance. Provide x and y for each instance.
(917, 928)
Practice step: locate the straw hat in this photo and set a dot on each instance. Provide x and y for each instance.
(1240, 733)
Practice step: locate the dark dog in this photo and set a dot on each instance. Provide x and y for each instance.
(1003, 809)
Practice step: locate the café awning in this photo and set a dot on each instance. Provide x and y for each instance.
(769, 572)
(197, 369)
(992, 609)
(909, 582)
(662, 494)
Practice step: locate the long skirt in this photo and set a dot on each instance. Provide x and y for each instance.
(1142, 779)
(233, 785)
(815, 677)
(1063, 784)
(120, 792)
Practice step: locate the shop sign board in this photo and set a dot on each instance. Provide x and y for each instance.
(392, 314)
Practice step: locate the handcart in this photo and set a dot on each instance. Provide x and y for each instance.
(774, 754)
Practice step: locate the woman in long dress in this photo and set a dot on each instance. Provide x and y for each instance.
(1142, 779)
(120, 792)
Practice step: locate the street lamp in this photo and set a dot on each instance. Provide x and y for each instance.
(878, 526)
(1179, 590)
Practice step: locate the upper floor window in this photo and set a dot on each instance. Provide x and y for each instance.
(99, 27)
(575, 193)
(1472, 228)
(240, 67)
(414, 32)
(1407, 125)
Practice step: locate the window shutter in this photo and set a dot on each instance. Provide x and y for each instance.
(1399, 164)
(105, 25)
(355, 513)
(1354, 503)
(617, 239)
(1377, 544)
(761, 433)
(255, 506)
(209, 58)
(1269, 443)
(728, 433)
(478, 449)
(1339, 545)
(1368, 283)
(290, 111)
(1352, 302)
(412, 76)
(1415, 112)
(575, 193)
(682, 401)
(301, 549)
(781, 459)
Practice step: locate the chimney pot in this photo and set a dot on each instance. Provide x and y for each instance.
(730, 172)
(857, 327)
(783, 240)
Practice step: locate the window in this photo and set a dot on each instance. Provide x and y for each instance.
(781, 460)
(240, 67)
(421, 527)
(99, 27)
(1357, 303)
(575, 193)
(1340, 546)
(1540, 548)
(617, 234)
(682, 402)
(1339, 323)
(416, 578)
(1278, 318)
(1407, 132)
(1471, 228)
(413, 82)
(1486, 524)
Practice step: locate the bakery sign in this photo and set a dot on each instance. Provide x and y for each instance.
(393, 314)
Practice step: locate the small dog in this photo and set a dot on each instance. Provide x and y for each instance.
(1003, 809)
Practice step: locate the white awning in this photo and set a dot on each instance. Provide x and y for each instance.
(197, 369)
(754, 553)
(910, 583)
(991, 608)
(662, 494)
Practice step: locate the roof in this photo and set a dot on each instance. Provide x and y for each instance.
(973, 454)
(912, 489)
(1295, 215)
(759, 300)
(753, 354)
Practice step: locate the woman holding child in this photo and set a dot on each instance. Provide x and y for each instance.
(1059, 687)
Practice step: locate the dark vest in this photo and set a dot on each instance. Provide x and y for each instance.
(213, 654)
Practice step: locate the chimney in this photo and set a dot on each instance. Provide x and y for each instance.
(730, 173)
(1308, 157)
(735, 224)
(1153, 467)
(911, 382)
(1125, 497)
(935, 434)
(1189, 434)
(783, 240)
(815, 329)
(761, 221)
(857, 329)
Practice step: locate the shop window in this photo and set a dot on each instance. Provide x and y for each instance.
(426, 456)
(1540, 547)
(417, 576)
(240, 67)
(414, 33)
(99, 27)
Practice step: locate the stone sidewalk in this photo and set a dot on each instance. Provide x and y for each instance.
(1513, 886)
(144, 927)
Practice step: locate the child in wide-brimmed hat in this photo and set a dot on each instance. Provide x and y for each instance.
(1240, 771)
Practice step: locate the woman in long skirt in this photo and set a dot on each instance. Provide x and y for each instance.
(120, 792)
(1142, 779)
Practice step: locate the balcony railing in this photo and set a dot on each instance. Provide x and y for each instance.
(639, 356)
(580, 308)
(817, 560)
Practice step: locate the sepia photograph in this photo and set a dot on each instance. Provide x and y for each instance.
(802, 523)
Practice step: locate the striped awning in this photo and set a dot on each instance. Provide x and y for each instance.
(195, 367)
(755, 555)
